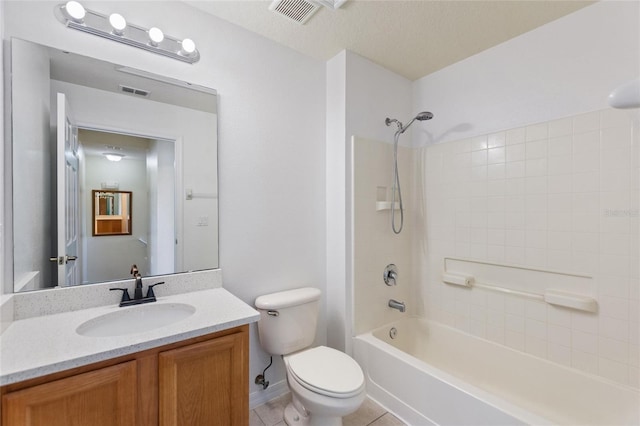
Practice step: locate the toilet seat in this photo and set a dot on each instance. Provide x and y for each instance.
(326, 371)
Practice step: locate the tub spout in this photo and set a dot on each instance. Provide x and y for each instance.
(397, 305)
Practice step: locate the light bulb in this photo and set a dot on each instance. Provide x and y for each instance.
(75, 11)
(156, 36)
(188, 46)
(118, 23)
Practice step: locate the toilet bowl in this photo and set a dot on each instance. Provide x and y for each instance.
(325, 385)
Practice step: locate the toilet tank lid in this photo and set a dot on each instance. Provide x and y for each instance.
(285, 299)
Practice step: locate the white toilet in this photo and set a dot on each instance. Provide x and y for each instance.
(325, 384)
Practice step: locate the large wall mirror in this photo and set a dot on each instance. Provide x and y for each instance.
(83, 128)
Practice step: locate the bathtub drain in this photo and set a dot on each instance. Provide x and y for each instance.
(393, 332)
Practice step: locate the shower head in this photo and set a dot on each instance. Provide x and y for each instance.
(424, 115)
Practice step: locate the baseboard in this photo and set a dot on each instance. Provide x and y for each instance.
(261, 396)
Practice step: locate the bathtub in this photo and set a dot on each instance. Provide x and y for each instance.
(431, 374)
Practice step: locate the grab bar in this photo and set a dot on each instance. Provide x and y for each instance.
(553, 297)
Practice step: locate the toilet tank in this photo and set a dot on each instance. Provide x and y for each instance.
(288, 320)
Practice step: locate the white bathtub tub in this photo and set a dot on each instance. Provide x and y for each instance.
(433, 374)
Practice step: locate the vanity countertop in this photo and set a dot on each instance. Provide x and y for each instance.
(47, 344)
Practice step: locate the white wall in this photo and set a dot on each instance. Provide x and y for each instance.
(360, 95)
(567, 66)
(271, 140)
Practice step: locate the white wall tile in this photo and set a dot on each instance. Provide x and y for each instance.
(614, 350)
(615, 159)
(536, 149)
(586, 122)
(496, 139)
(535, 346)
(536, 185)
(514, 340)
(614, 328)
(561, 127)
(559, 335)
(515, 256)
(584, 342)
(515, 136)
(616, 138)
(585, 182)
(559, 316)
(496, 171)
(536, 310)
(559, 354)
(613, 370)
(496, 155)
(515, 152)
(536, 132)
(536, 167)
(479, 143)
(584, 361)
(557, 196)
(560, 146)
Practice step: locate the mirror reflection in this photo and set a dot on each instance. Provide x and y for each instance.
(67, 113)
(111, 212)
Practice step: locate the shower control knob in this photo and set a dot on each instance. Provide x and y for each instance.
(390, 274)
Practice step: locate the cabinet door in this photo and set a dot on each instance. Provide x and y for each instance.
(205, 384)
(104, 397)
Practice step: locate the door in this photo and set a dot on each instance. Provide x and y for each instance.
(68, 223)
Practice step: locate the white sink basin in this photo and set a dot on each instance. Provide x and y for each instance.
(135, 319)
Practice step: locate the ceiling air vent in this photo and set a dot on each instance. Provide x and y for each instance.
(134, 91)
(296, 10)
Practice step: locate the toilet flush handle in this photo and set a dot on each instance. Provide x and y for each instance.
(273, 313)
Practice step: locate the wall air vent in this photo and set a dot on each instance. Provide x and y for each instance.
(296, 10)
(134, 91)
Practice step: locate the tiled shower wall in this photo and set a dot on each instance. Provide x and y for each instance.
(562, 196)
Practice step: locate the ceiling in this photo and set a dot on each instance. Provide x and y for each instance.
(411, 38)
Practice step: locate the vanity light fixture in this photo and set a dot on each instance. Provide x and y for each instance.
(113, 156)
(115, 27)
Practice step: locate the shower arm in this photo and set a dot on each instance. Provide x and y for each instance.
(388, 121)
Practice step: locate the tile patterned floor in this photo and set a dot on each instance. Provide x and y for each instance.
(369, 414)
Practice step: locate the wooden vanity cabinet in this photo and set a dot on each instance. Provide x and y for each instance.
(106, 396)
(200, 381)
(204, 384)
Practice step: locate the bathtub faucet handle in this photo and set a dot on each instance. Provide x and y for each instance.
(390, 274)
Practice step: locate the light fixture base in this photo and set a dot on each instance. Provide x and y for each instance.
(133, 35)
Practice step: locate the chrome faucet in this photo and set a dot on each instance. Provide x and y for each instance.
(397, 305)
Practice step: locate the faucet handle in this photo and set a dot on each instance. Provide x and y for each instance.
(125, 294)
(150, 292)
(390, 274)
